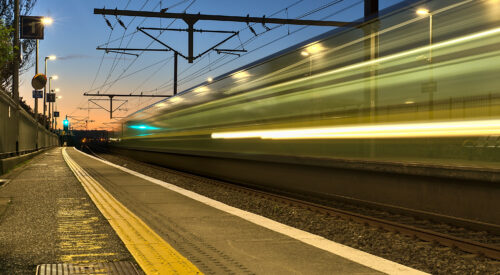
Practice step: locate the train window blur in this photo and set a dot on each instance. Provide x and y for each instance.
(424, 89)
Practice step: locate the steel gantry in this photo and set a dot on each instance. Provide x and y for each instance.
(371, 9)
(111, 96)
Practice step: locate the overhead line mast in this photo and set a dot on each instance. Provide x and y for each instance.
(370, 11)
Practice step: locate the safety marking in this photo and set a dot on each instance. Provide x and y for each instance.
(151, 252)
(352, 254)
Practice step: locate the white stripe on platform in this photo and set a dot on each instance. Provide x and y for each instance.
(352, 254)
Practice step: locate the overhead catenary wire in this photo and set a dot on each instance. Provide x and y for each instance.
(215, 63)
(131, 63)
(213, 66)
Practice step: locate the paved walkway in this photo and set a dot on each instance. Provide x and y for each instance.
(49, 218)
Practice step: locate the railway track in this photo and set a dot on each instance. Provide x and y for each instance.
(467, 245)
(471, 241)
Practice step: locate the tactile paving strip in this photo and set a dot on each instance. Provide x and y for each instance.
(152, 253)
(112, 268)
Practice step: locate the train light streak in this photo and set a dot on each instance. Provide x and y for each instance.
(143, 127)
(397, 130)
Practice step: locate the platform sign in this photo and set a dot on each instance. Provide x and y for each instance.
(31, 27)
(56, 114)
(37, 94)
(51, 97)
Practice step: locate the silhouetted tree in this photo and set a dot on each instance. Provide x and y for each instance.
(6, 42)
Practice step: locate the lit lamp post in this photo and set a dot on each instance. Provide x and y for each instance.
(45, 21)
(51, 57)
(54, 119)
(424, 12)
(55, 109)
(310, 52)
(431, 86)
(55, 77)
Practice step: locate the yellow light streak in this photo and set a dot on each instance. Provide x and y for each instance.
(394, 130)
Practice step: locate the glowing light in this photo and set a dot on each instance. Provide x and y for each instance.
(65, 122)
(59, 97)
(176, 99)
(210, 79)
(159, 105)
(57, 90)
(47, 21)
(200, 90)
(54, 77)
(143, 127)
(51, 57)
(409, 102)
(304, 53)
(240, 75)
(316, 48)
(423, 11)
(400, 130)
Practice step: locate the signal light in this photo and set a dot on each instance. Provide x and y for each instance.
(66, 125)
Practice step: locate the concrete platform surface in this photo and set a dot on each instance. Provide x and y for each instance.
(46, 217)
(216, 238)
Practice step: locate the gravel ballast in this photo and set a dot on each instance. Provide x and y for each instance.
(425, 256)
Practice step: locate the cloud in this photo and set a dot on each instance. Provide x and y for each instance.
(74, 56)
(83, 56)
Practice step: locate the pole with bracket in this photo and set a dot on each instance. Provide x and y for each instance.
(111, 107)
(175, 72)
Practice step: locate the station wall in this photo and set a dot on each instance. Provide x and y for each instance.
(19, 131)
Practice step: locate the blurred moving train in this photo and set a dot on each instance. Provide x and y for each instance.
(417, 86)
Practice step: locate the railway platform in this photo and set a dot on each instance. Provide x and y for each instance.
(66, 208)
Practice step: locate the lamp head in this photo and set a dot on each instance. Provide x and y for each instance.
(47, 21)
(423, 11)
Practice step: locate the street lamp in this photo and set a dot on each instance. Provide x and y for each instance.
(47, 21)
(54, 119)
(50, 91)
(430, 87)
(50, 57)
(310, 51)
(426, 12)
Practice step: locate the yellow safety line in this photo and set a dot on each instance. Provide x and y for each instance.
(152, 253)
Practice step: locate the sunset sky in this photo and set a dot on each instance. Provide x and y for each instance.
(76, 32)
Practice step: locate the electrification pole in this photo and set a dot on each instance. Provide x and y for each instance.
(15, 76)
